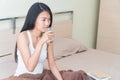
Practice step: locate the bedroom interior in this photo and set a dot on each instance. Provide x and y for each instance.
(74, 54)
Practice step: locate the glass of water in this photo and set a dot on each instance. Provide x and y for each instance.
(51, 40)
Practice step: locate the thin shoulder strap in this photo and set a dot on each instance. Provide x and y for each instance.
(29, 36)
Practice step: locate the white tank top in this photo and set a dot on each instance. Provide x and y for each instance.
(21, 68)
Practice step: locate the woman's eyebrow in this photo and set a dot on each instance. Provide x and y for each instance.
(45, 17)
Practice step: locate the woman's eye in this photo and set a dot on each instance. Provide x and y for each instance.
(43, 20)
(46, 20)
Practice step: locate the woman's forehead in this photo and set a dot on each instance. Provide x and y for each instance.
(44, 14)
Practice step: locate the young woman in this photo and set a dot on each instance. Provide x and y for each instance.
(32, 42)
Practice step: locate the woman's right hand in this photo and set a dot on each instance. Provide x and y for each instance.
(47, 36)
(44, 38)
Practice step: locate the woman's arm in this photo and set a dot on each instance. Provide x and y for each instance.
(51, 62)
(30, 61)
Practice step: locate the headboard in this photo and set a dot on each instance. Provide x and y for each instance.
(62, 24)
(63, 29)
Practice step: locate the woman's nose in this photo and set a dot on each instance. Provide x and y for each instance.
(47, 22)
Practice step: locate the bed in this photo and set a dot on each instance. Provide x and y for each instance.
(73, 57)
(71, 54)
(76, 56)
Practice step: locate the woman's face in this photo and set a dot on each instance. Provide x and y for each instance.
(43, 21)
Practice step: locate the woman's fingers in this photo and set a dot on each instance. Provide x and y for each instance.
(50, 34)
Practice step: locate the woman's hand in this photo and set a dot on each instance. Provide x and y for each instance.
(47, 37)
(50, 37)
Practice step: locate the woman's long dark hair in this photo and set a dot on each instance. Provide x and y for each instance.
(31, 17)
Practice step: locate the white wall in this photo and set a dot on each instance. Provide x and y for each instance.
(12, 8)
(85, 22)
(85, 15)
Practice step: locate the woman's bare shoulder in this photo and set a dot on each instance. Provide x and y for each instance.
(22, 37)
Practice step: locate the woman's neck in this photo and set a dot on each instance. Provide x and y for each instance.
(35, 33)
